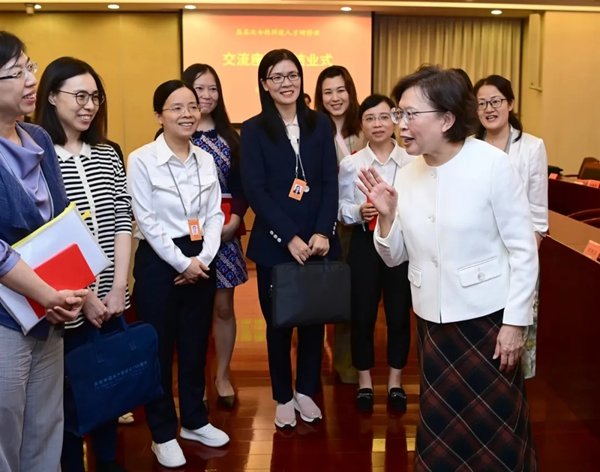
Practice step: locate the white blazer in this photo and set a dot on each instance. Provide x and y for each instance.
(466, 231)
(528, 156)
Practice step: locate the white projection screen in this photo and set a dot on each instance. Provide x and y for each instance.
(235, 43)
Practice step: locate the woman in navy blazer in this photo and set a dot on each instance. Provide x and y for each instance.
(288, 145)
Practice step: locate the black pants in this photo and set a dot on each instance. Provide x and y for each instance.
(104, 437)
(279, 344)
(182, 317)
(371, 277)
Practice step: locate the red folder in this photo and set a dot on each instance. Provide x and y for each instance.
(226, 208)
(67, 270)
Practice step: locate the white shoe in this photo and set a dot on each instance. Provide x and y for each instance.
(308, 409)
(207, 435)
(127, 418)
(285, 416)
(168, 454)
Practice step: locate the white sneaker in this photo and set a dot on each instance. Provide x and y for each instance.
(168, 454)
(308, 409)
(285, 416)
(127, 418)
(207, 435)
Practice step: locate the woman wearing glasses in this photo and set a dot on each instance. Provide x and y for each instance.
(216, 135)
(335, 95)
(286, 146)
(31, 194)
(177, 207)
(72, 108)
(459, 215)
(500, 126)
(370, 276)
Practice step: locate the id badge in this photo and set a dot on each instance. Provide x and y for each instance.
(297, 189)
(195, 229)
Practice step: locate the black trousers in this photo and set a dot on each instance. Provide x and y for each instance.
(182, 318)
(370, 277)
(279, 344)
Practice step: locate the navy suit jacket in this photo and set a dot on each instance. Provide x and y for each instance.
(268, 170)
(19, 215)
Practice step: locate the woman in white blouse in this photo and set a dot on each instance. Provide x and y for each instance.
(460, 216)
(177, 207)
(370, 276)
(501, 127)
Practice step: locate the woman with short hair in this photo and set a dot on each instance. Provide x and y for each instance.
(31, 194)
(460, 216)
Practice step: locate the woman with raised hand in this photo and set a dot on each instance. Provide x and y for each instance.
(31, 194)
(369, 275)
(288, 147)
(177, 206)
(460, 216)
(215, 135)
(335, 95)
(500, 126)
(72, 108)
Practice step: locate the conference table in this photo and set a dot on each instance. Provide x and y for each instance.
(565, 196)
(568, 354)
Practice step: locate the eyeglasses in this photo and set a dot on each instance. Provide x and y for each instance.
(82, 98)
(495, 103)
(279, 78)
(31, 67)
(383, 118)
(181, 109)
(398, 114)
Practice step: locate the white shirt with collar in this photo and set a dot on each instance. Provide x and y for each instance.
(157, 206)
(351, 198)
(466, 231)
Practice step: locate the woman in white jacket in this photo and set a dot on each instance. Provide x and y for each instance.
(459, 214)
(501, 127)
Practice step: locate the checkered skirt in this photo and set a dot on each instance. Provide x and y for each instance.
(472, 416)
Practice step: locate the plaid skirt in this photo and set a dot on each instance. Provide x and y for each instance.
(472, 416)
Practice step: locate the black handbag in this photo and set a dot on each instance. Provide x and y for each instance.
(310, 294)
(110, 375)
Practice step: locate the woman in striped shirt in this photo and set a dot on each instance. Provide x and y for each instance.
(72, 108)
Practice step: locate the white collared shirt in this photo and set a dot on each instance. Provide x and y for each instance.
(351, 198)
(157, 206)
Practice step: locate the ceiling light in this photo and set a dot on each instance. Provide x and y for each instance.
(37, 6)
(113, 6)
(346, 9)
(496, 12)
(190, 7)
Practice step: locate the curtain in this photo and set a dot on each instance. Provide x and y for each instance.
(480, 46)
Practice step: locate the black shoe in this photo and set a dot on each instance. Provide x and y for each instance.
(397, 399)
(108, 467)
(364, 399)
(227, 402)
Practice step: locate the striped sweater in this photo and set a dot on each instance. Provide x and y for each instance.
(95, 180)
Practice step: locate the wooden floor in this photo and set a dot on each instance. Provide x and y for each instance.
(345, 440)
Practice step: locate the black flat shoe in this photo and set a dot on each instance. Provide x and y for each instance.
(364, 399)
(227, 402)
(397, 399)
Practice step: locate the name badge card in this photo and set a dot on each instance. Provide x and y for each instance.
(195, 229)
(297, 190)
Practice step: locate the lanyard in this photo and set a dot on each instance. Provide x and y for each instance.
(507, 148)
(299, 164)
(179, 191)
